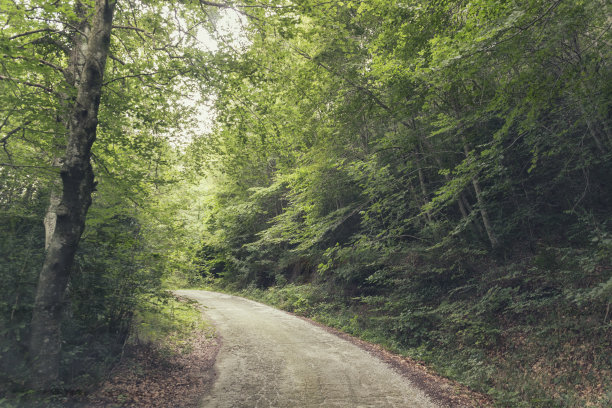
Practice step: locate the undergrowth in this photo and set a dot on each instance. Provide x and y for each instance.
(162, 324)
(168, 323)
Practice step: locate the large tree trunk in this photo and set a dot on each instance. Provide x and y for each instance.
(72, 74)
(78, 184)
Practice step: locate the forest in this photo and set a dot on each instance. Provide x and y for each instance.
(434, 176)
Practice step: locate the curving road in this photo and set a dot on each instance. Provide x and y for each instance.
(269, 358)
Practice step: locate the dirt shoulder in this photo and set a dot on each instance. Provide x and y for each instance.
(150, 377)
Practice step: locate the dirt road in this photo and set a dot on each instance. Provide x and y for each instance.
(269, 358)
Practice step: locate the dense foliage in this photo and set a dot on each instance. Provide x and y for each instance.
(441, 169)
(432, 175)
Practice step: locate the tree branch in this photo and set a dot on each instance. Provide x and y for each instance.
(227, 6)
(8, 115)
(12, 132)
(264, 6)
(42, 30)
(116, 59)
(32, 84)
(140, 30)
(44, 62)
(49, 40)
(17, 166)
(144, 74)
(519, 28)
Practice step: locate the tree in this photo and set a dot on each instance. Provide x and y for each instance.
(91, 45)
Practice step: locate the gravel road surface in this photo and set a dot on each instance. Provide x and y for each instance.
(269, 358)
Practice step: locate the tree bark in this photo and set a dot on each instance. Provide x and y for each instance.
(481, 206)
(466, 208)
(484, 214)
(51, 216)
(425, 197)
(72, 74)
(77, 186)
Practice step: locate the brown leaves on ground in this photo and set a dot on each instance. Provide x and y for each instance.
(152, 377)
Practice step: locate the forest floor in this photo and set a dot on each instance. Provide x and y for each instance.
(150, 376)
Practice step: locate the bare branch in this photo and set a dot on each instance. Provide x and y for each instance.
(116, 59)
(263, 6)
(50, 64)
(17, 166)
(49, 40)
(125, 47)
(140, 30)
(144, 74)
(8, 116)
(227, 6)
(42, 30)
(32, 84)
(213, 4)
(44, 62)
(12, 132)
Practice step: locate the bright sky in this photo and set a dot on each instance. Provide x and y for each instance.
(229, 29)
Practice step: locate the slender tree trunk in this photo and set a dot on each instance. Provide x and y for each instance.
(78, 184)
(481, 205)
(425, 197)
(466, 208)
(484, 214)
(461, 201)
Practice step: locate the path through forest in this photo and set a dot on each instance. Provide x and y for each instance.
(270, 358)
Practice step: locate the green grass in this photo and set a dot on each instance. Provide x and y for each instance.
(168, 323)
